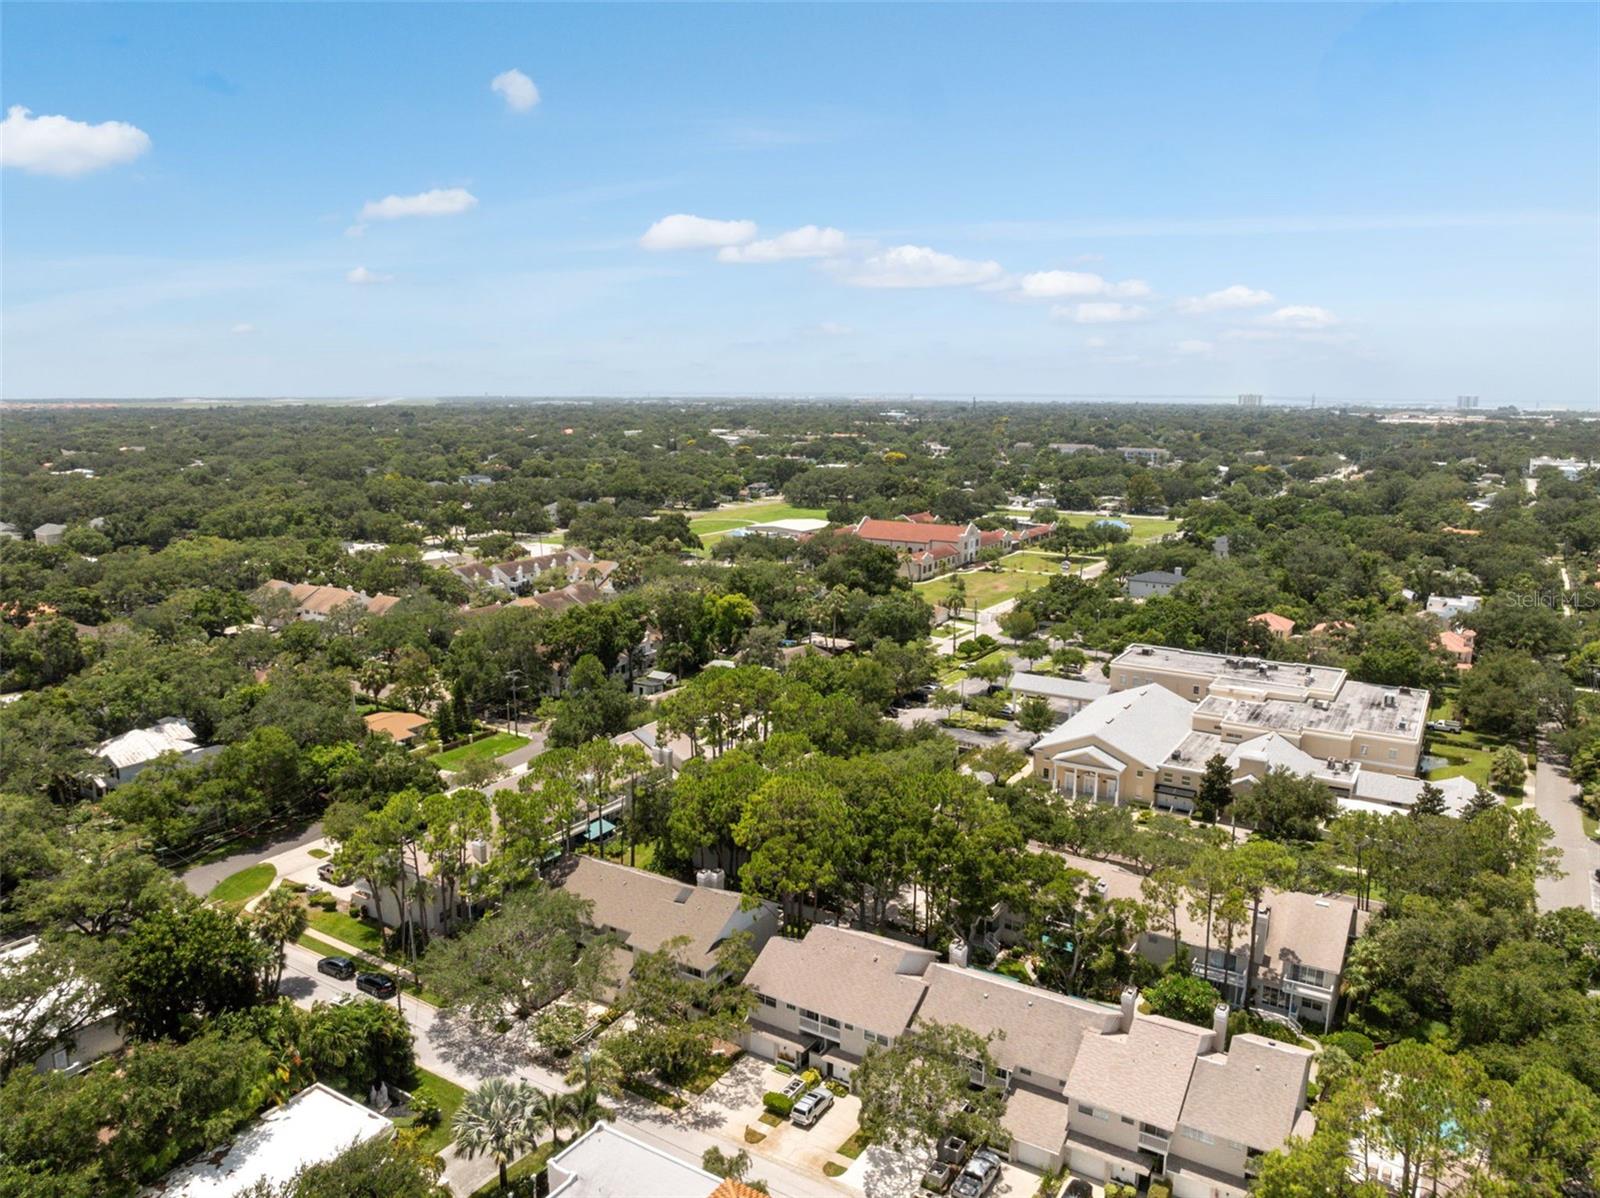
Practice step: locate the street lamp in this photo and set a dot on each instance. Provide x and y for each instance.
(513, 676)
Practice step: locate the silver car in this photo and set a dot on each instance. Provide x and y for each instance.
(811, 1107)
(978, 1178)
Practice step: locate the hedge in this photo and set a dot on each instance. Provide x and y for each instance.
(777, 1104)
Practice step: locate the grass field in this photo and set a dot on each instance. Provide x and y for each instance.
(984, 588)
(497, 745)
(238, 889)
(1033, 561)
(1142, 528)
(713, 525)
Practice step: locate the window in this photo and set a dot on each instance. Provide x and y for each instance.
(805, 1014)
(1127, 1120)
(1025, 1071)
(1196, 689)
(1363, 750)
(768, 1001)
(874, 1038)
(1094, 1114)
(833, 1023)
(789, 1006)
(1391, 754)
(1194, 1134)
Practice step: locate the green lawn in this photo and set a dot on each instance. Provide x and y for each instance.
(497, 745)
(1033, 561)
(357, 932)
(656, 1094)
(852, 1147)
(448, 1095)
(1141, 528)
(984, 588)
(243, 886)
(1468, 753)
(317, 945)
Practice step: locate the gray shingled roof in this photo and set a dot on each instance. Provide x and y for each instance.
(855, 977)
(1250, 1094)
(650, 910)
(1142, 1073)
(1032, 1028)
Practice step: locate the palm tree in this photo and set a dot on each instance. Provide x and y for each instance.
(584, 1109)
(551, 1110)
(279, 917)
(500, 1120)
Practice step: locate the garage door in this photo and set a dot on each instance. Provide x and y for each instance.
(1088, 1164)
(1032, 1156)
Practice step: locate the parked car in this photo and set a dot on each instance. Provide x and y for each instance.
(332, 875)
(978, 1178)
(379, 985)
(1444, 725)
(342, 968)
(810, 1108)
(939, 1176)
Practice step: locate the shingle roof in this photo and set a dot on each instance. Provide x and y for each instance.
(1034, 1029)
(1145, 724)
(1307, 929)
(1142, 1073)
(650, 910)
(851, 976)
(1250, 1094)
(401, 725)
(1035, 1118)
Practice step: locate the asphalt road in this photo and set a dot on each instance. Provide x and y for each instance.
(202, 878)
(1555, 799)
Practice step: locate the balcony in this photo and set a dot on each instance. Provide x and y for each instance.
(1150, 1142)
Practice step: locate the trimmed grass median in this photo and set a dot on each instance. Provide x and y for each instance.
(238, 889)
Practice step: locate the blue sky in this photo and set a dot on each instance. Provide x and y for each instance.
(1357, 201)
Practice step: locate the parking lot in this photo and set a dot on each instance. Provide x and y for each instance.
(733, 1106)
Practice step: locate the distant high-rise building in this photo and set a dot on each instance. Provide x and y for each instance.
(1466, 402)
(1250, 401)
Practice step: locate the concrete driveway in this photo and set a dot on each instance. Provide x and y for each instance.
(884, 1173)
(734, 1104)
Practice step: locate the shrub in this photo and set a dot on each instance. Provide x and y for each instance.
(777, 1104)
(811, 1078)
(1357, 1045)
(783, 1067)
(1160, 1189)
(836, 1087)
(426, 1111)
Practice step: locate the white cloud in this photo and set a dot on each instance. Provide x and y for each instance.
(808, 241)
(1066, 284)
(519, 91)
(919, 266)
(58, 145)
(361, 277)
(1301, 316)
(684, 232)
(242, 330)
(1193, 347)
(1227, 300)
(832, 328)
(1100, 312)
(441, 201)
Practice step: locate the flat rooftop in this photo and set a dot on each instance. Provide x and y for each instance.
(1286, 678)
(606, 1163)
(315, 1125)
(1358, 707)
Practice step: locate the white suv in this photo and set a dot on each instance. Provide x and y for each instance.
(811, 1107)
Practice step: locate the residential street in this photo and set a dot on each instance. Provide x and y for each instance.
(1554, 797)
(202, 878)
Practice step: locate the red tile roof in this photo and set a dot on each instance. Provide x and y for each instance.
(904, 530)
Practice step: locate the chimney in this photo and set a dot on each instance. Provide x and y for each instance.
(710, 879)
(1178, 570)
(1219, 1027)
(958, 953)
(478, 851)
(1129, 1004)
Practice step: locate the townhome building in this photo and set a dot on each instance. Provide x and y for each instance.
(1303, 945)
(1098, 1086)
(825, 1000)
(520, 574)
(647, 911)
